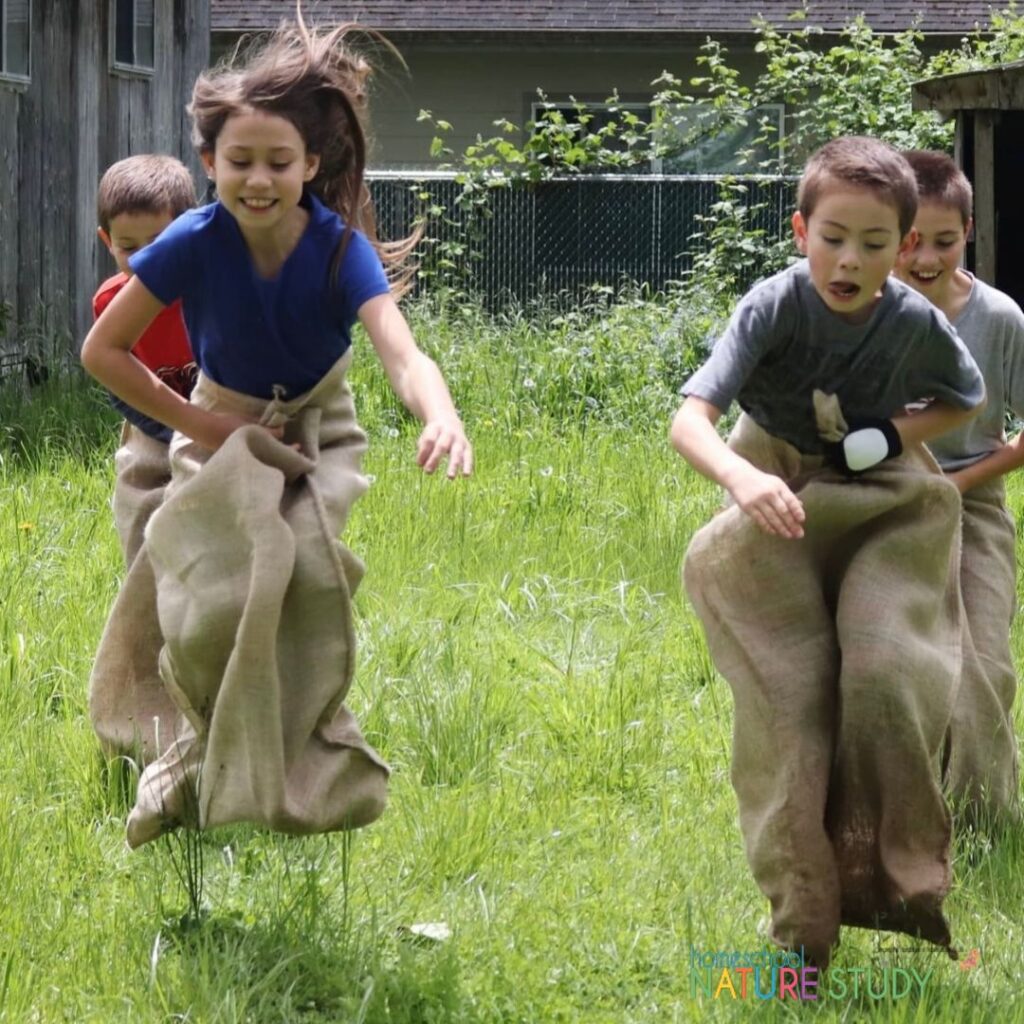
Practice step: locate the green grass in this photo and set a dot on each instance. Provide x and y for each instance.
(560, 742)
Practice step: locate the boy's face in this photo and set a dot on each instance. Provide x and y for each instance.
(130, 232)
(851, 241)
(932, 263)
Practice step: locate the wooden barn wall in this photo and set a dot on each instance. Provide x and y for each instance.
(91, 73)
(10, 167)
(58, 133)
(190, 55)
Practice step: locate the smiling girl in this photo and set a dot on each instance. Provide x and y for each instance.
(273, 275)
(244, 585)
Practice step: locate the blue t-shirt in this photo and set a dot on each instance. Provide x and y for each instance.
(251, 334)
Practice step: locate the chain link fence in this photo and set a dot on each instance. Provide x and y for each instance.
(566, 235)
(555, 239)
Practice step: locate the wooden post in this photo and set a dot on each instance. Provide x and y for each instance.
(958, 138)
(984, 196)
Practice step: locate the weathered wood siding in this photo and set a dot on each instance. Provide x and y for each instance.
(59, 132)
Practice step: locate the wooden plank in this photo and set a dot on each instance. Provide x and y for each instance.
(30, 182)
(1011, 91)
(10, 143)
(192, 51)
(1000, 88)
(163, 98)
(140, 115)
(121, 109)
(58, 161)
(985, 224)
(109, 150)
(90, 72)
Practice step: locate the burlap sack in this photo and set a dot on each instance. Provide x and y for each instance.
(128, 703)
(254, 621)
(143, 469)
(842, 650)
(981, 771)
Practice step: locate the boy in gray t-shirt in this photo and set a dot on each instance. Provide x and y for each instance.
(828, 591)
(981, 769)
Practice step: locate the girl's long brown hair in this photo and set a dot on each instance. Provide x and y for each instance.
(316, 81)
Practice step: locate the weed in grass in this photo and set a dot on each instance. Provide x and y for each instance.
(184, 848)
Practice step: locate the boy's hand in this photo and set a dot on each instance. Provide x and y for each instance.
(769, 502)
(441, 438)
(868, 442)
(958, 478)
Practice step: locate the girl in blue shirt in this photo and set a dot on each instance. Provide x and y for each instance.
(229, 651)
(274, 273)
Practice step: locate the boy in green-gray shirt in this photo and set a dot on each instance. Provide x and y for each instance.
(981, 766)
(829, 591)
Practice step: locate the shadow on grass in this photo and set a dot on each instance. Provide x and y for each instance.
(67, 413)
(269, 970)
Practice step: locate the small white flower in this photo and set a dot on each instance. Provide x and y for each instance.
(529, 383)
(547, 471)
(392, 431)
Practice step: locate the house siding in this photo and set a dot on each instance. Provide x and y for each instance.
(472, 62)
(472, 87)
(472, 90)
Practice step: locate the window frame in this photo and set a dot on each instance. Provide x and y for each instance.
(644, 109)
(120, 67)
(780, 111)
(16, 78)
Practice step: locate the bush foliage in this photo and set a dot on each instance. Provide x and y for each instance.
(859, 85)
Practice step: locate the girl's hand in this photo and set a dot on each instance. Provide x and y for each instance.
(769, 502)
(445, 437)
(417, 381)
(216, 427)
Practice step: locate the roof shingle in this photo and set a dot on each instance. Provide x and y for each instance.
(581, 16)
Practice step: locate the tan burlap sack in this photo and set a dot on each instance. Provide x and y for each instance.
(982, 768)
(842, 650)
(143, 469)
(254, 615)
(128, 702)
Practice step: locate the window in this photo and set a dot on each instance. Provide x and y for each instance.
(132, 34)
(691, 144)
(15, 24)
(703, 150)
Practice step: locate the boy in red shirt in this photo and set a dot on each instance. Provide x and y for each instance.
(138, 197)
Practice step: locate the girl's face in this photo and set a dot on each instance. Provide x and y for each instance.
(259, 165)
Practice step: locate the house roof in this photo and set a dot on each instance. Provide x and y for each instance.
(583, 16)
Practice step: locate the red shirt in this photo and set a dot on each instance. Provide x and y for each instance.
(164, 347)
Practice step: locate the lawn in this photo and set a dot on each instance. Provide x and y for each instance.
(528, 666)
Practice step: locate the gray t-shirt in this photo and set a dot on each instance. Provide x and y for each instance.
(991, 325)
(783, 342)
